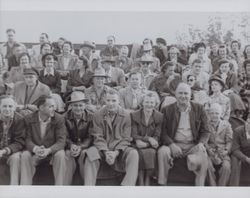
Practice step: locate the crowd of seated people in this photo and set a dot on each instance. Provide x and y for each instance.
(136, 108)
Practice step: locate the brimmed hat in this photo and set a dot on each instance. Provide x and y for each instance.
(77, 96)
(218, 79)
(146, 59)
(161, 40)
(109, 59)
(99, 72)
(30, 71)
(88, 44)
(222, 61)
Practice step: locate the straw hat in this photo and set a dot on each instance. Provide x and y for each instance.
(77, 96)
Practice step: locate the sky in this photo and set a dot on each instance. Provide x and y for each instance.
(77, 26)
(129, 21)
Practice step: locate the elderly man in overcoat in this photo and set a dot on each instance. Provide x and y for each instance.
(184, 133)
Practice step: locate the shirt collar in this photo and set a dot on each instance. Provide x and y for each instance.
(247, 132)
(186, 110)
(41, 121)
(52, 72)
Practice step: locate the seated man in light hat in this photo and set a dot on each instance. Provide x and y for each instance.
(146, 63)
(115, 75)
(147, 50)
(184, 133)
(78, 123)
(12, 137)
(97, 92)
(112, 140)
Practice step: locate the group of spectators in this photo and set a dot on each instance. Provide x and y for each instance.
(134, 107)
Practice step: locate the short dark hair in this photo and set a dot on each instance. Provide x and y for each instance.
(46, 43)
(42, 100)
(45, 34)
(165, 66)
(48, 57)
(23, 54)
(198, 45)
(10, 30)
(68, 42)
(222, 47)
(234, 41)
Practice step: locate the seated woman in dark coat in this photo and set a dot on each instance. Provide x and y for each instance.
(146, 130)
(49, 75)
(79, 79)
(52, 78)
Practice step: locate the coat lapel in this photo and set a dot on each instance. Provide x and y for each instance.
(22, 93)
(36, 125)
(36, 93)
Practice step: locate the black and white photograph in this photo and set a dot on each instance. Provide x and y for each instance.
(146, 95)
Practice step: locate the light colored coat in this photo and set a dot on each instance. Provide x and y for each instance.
(20, 92)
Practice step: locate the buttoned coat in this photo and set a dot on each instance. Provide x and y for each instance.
(108, 136)
(55, 135)
(141, 130)
(198, 123)
(221, 138)
(20, 92)
(79, 133)
(75, 80)
(16, 133)
(53, 82)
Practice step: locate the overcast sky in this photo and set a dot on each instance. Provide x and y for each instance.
(146, 19)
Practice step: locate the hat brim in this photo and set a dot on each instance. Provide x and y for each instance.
(218, 80)
(85, 45)
(143, 61)
(108, 61)
(99, 76)
(84, 100)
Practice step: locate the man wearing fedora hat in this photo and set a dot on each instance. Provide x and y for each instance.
(112, 140)
(28, 91)
(146, 67)
(184, 133)
(115, 75)
(87, 51)
(79, 125)
(97, 92)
